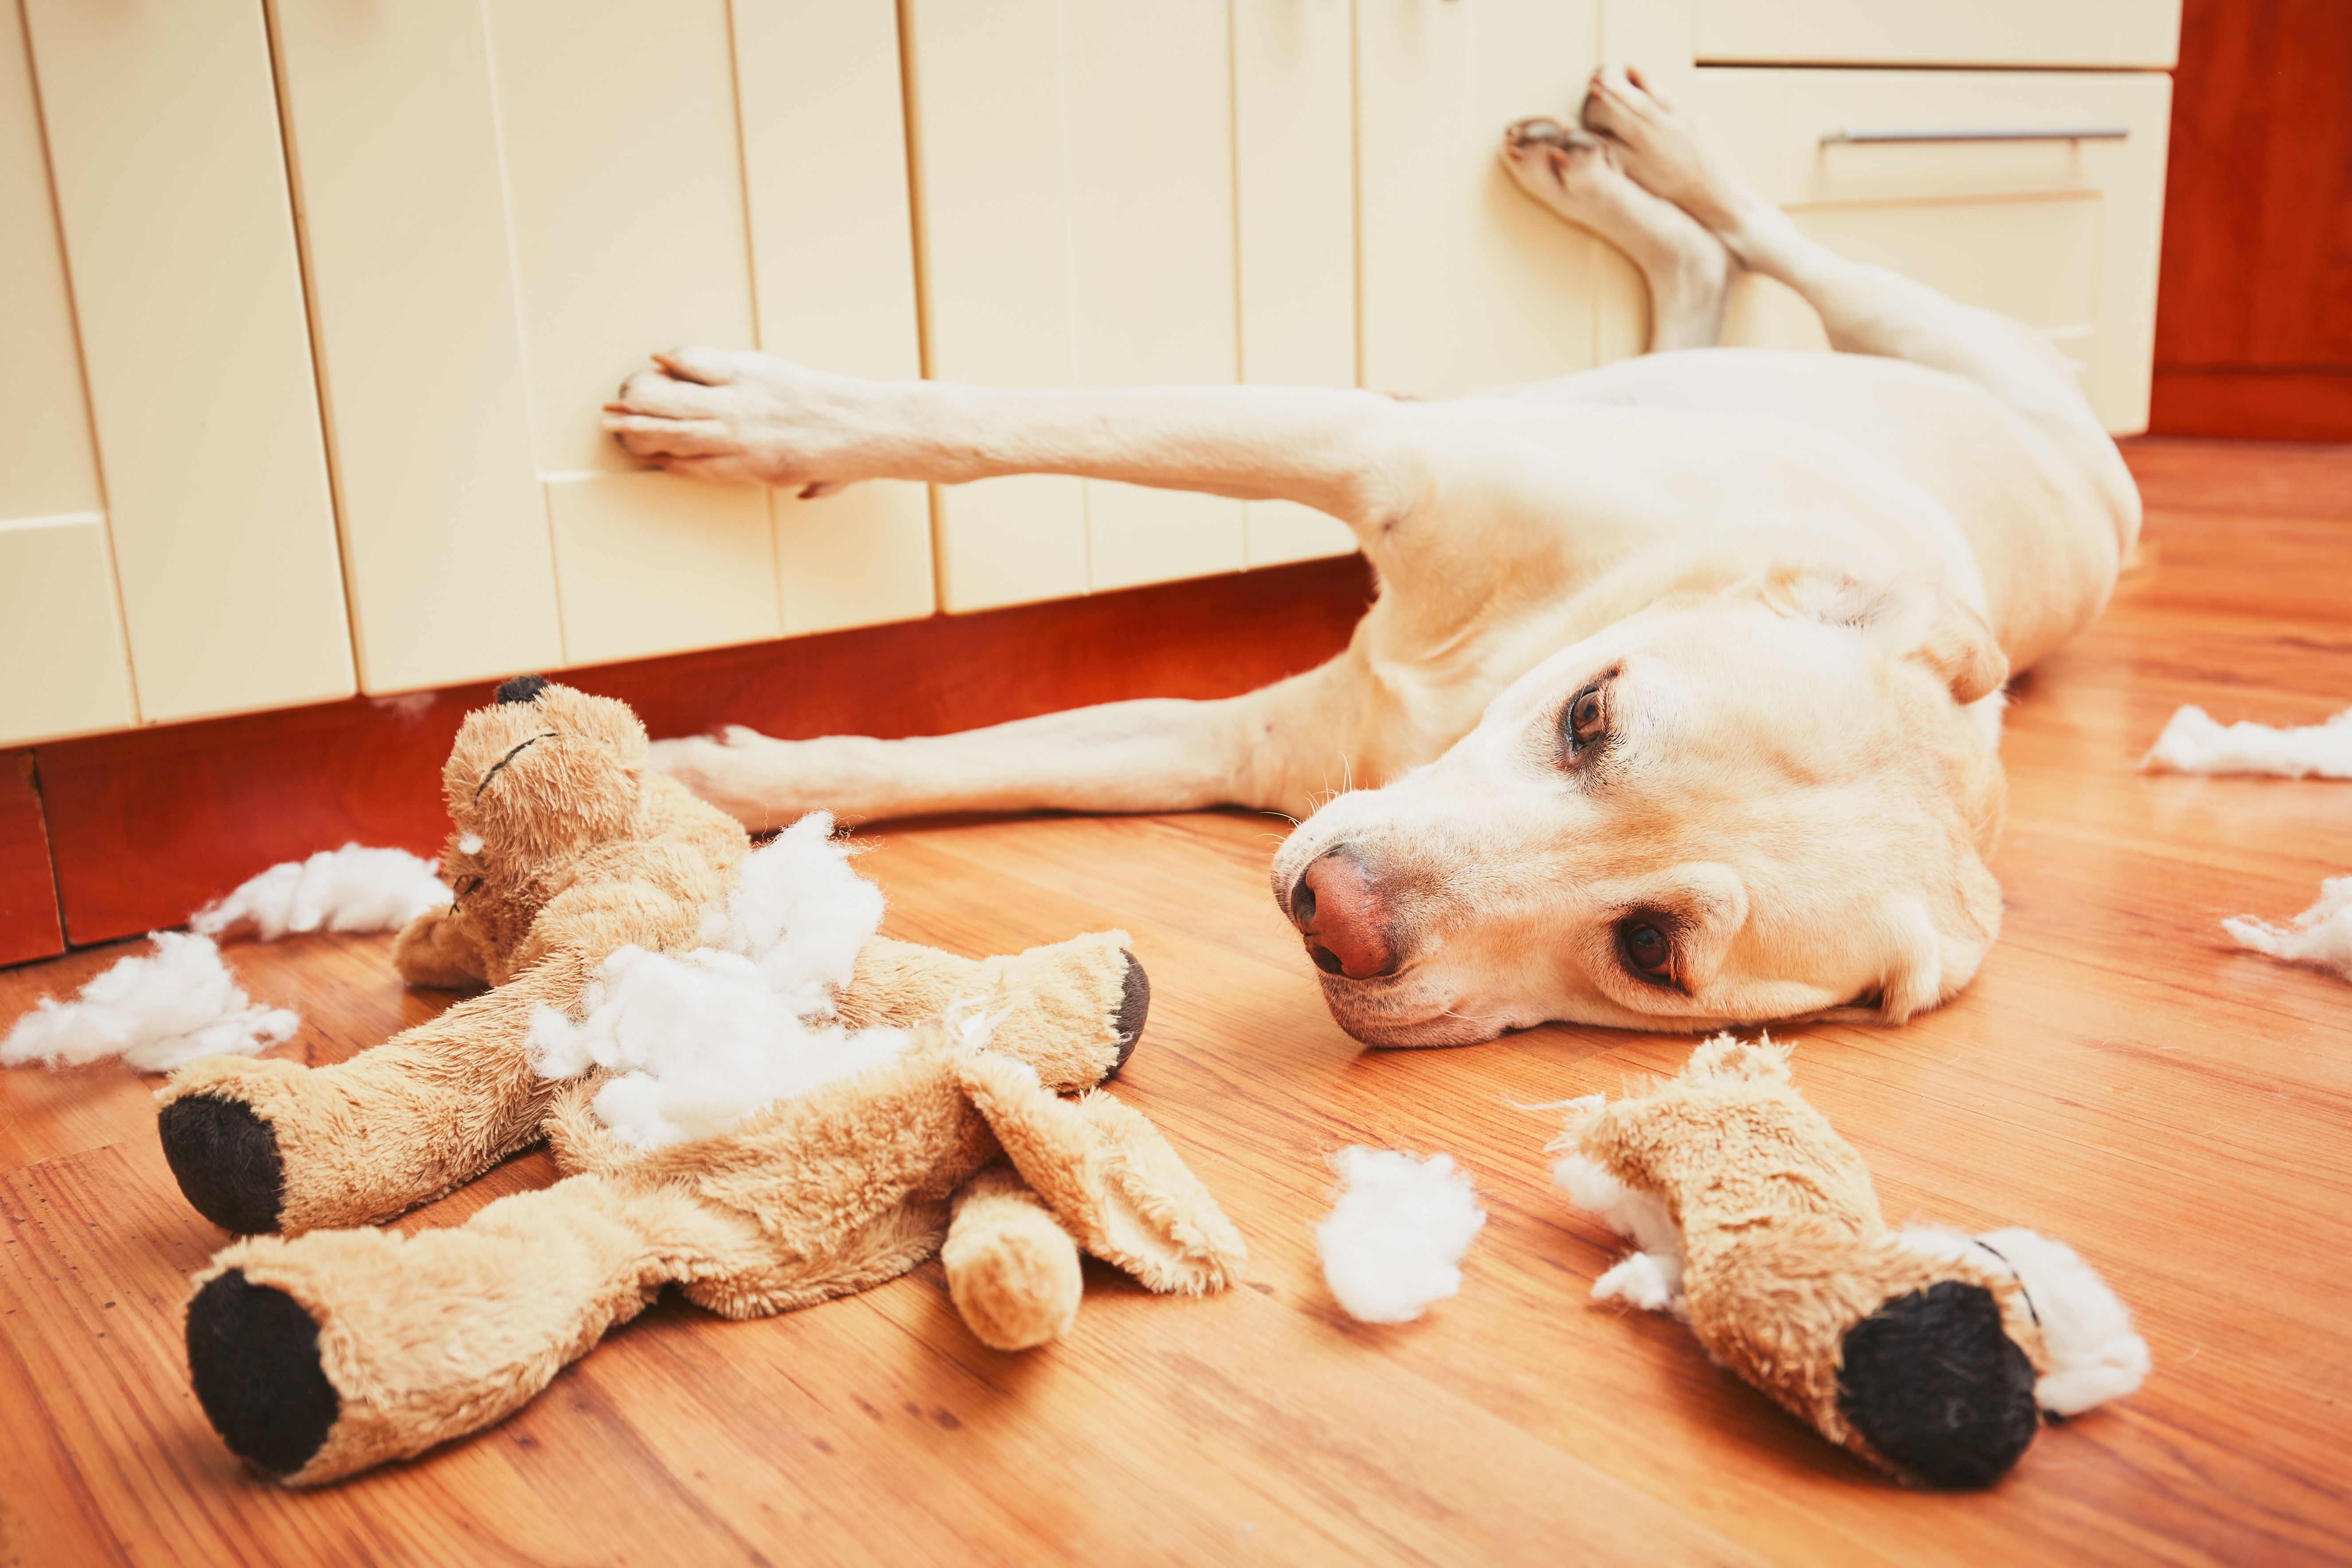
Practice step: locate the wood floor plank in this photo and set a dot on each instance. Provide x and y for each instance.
(2120, 1075)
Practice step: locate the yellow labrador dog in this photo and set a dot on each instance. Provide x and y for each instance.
(1679, 704)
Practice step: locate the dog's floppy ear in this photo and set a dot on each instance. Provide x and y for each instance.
(1912, 616)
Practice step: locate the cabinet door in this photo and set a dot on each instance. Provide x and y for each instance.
(395, 135)
(2061, 234)
(161, 127)
(61, 631)
(1294, 170)
(832, 272)
(1941, 32)
(1466, 283)
(1075, 179)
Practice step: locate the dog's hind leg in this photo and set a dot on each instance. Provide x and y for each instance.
(1575, 175)
(1866, 309)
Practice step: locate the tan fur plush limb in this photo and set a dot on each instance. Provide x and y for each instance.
(589, 896)
(1925, 1353)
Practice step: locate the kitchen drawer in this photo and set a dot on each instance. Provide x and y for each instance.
(2095, 32)
(2061, 233)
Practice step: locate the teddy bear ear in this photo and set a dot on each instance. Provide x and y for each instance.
(521, 688)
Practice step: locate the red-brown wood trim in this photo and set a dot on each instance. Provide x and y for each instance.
(149, 825)
(29, 926)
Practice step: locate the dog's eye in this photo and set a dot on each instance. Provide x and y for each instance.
(1586, 719)
(1647, 949)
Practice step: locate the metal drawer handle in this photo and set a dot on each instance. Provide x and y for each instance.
(2018, 134)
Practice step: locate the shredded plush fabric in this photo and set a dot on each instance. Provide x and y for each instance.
(2321, 936)
(2197, 742)
(154, 1010)
(699, 1040)
(347, 890)
(1651, 1278)
(1395, 1240)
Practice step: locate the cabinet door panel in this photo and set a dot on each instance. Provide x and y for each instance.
(833, 268)
(853, 559)
(1467, 283)
(991, 193)
(2061, 235)
(395, 143)
(171, 184)
(60, 638)
(48, 466)
(1941, 32)
(649, 564)
(1148, 140)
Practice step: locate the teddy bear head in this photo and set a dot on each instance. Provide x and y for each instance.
(545, 772)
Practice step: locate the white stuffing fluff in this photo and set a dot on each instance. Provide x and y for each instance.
(349, 890)
(1650, 1278)
(2197, 742)
(2321, 935)
(2094, 1354)
(154, 1010)
(699, 1040)
(1395, 1240)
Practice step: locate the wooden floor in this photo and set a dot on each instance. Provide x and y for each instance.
(2119, 1076)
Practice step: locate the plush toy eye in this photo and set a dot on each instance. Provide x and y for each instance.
(1586, 719)
(1646, 948)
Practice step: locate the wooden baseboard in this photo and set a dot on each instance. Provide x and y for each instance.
(29, 926)
(145, 826)
(2251, 405)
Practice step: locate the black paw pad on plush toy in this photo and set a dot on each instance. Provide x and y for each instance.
(1134, 1008)
(253, 1354)
(225, 1160)
(1935, 1382)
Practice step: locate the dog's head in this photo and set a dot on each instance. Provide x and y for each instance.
(1769, 801)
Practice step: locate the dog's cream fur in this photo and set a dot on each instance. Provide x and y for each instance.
(1790, 586)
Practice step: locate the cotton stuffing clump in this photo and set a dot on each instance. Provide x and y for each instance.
(2197, 742)
(2321, 936)
(699, 1040)
(1395, 1240)
(349, 890)
(153, 1010)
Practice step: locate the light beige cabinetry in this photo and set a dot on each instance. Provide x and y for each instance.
(2144, 34)
(502, 224)
(1081, 223)
(1969, 182)
(209, 494)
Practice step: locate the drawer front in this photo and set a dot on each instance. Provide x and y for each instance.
(2109, 33)
(2060, 233)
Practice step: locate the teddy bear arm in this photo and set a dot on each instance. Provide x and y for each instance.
(596, 919)
(1072, 1010)
(321, 1355)
(442, 950)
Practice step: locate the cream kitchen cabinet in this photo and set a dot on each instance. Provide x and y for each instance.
(2103, 33)
(1968, 180)
(1119, 194)
(63, 666)
(206, 516)
(503, 221)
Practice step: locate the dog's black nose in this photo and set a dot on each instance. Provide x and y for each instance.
(521, 688)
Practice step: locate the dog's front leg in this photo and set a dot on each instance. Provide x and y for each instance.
(710, 414)
(1279, 749)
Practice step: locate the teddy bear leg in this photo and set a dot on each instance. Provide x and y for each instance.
(261, 1144)
(1012, 1270)
(1072, 1010)
(323, 1354)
